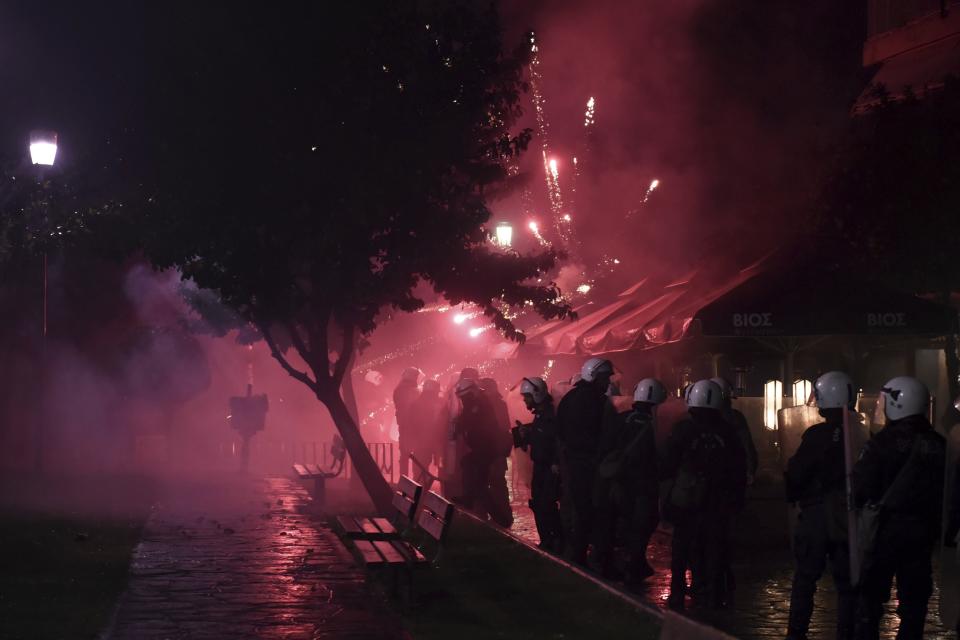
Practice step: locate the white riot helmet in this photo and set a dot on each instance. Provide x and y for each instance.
(650, 391)
(905, 396)
(725, 388)
(834, 390)
(466, 387)
(536, 388)
(595, 368)
(705, 394)
(411, 374)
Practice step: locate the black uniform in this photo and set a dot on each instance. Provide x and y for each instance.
(909, 526)
(541, 438)
(427, 414)
(742, 429)
(404, 396)
(478, 425)
(816, 481)
(627, 488)
(706, 461)
(580, 419)
(502, 513)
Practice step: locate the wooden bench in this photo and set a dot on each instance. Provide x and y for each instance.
(399, 555)
(405, 500)
(313, 473)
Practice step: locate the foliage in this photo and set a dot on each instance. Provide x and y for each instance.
(312, 171)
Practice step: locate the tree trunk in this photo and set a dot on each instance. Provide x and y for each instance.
(350, 399)
(363, 463)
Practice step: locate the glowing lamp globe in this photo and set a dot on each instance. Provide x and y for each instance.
(504, 234)
(43, 147)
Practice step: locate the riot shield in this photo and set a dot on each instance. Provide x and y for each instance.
(855, 435)
(791, 423)
(950, 555)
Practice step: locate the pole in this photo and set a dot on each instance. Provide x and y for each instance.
(42, 417)
(852, 534)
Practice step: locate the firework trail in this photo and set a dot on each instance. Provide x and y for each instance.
(535, 230)
(588, 116)
(550, 172)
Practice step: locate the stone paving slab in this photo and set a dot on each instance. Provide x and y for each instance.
(241, 558)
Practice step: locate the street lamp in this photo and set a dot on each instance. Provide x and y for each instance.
(504, 234)
(43, 147)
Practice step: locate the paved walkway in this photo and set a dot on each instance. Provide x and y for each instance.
(240, 559)
(763, 570)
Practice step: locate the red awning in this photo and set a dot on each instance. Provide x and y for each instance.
(919, 69)
(643, 316)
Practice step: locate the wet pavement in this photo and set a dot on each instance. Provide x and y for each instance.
(763, 571)
(243, 559)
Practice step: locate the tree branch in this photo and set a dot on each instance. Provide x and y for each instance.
(279, 357)
(297, 340)
(319, 343)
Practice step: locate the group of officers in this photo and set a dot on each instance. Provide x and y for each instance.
(598, 472)
(898, 478)
(600, 481)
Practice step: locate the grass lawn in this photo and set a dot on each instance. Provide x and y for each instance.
(488, 586)
(61, 572)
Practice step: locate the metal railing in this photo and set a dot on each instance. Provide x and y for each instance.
(276, 456)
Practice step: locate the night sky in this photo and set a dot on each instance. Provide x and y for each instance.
(731, 107)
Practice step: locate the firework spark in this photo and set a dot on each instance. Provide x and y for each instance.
(653, 186)
(588, 118)
(535, 230)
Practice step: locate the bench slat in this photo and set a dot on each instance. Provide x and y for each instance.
(313, 469)
(349, 525)
(301, 470)
(389, 552)
(409, 488)
(404, 505)
(385, 526)
(369, 552)
(432, 525)
(438, 505)
(409, 551)
(368, 526)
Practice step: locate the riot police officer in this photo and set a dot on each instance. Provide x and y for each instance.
(404, 395)
(816, 482)
(580, 419)
(741, 428)
(900, 477)
(706, 463)
(540, 437)
(628, 483)
(478, 425)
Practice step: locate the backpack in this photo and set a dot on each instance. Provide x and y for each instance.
(688, 490)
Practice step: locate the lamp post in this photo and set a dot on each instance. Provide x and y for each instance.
(43, 153)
